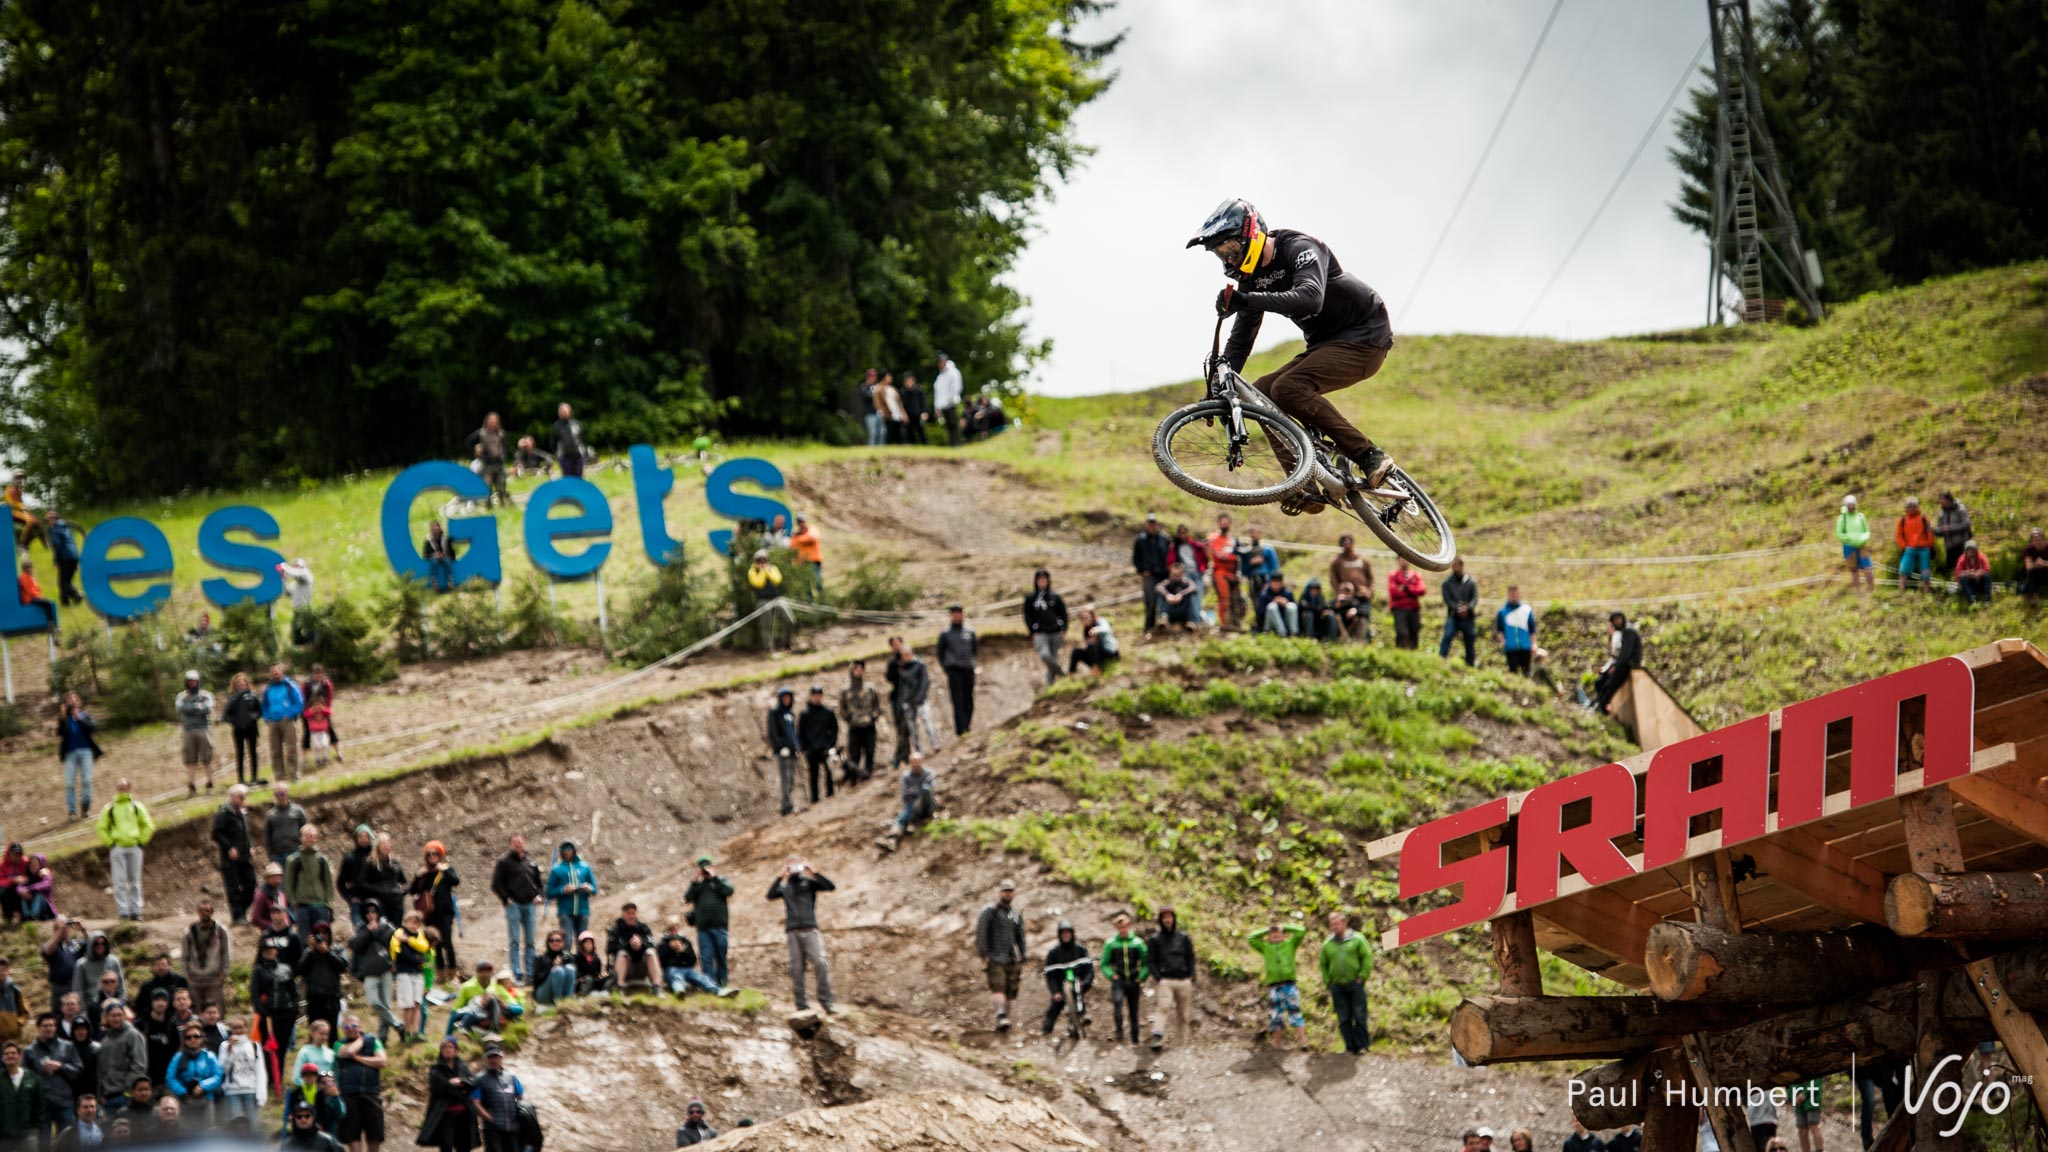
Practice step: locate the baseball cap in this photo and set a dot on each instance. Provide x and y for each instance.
(1151, 517)
(273, 869)
(191, 673)
(309, 1067)
(955, 608)
(817, 689)
(1484, 1132)
(703, 859)
(1008, 886)
(494, 1049)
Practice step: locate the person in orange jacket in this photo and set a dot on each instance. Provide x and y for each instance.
(1915, 538)
(804, 542)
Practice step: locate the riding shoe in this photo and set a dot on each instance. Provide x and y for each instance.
(1296, 503)
(1374, 468)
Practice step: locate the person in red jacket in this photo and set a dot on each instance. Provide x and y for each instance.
(1915, 538)
(1973, 575)
(1405, 591)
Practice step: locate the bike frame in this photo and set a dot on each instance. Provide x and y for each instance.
(1227, 385)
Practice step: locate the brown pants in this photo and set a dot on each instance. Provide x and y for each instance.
(1298, 388)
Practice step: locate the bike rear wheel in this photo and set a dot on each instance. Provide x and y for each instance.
(1195, 449)
(1406, 520)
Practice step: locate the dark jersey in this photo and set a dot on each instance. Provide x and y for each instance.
(1304, 283)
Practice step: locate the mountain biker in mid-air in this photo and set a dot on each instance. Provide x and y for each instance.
(1342, 319)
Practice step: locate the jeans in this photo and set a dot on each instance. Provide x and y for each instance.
(56, 1118)
(860, 752)
(78, 780)
(1465, 629)
(907, 717)
(441, 574)
(490, 1012)
(126, 866)
(711, 944)
(1283, 618)
(1048, 646)
(1188, 611)
(377, 991)
(520, 918)
(807, 949)
(1407, 626)
(818, 762)
(305, 916)
(1349, 1001)
(235, 1104)
(1148, 584)
(572, 924)
(873, 422)
(682, 979)
(1974, 589)
(960, 689)
(559, 985)
(785, 767)
(1124, 998)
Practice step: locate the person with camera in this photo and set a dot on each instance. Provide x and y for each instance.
(797, 887)
(708, 897)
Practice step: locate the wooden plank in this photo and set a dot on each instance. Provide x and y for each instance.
(1815, 869)
(2019, 1031)
(1606, 921)
(1731, 1125)
(2024, 813)
(1659, 720)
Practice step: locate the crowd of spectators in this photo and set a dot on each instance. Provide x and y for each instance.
(896, 409)
(1945, 545)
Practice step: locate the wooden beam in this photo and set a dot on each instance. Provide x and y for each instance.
(1969, 905)
(1929, 820)
(1714, 902)
(2019, 1031)
(2018, 811)
(1502, 1029)
(1515, 957)
(1822, 873)
(1694, 962)
(1613, 924)
(1666, 1124)
(1730, 1125)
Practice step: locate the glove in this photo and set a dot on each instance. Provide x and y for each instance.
(1229, 301)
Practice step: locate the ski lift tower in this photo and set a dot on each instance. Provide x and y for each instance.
(1752, 216)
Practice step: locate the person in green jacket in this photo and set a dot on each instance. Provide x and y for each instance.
(21, 1105)
(1127, 962)
(1345, 963)
(309, 883)
(124, 827)
(1852, 531)
(1277, 943)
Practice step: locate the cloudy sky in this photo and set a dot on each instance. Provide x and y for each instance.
(1360, 121)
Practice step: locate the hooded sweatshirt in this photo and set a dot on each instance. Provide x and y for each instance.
(1044, 611)
(565, 875)
(123, 1059)
(1171, 952)
(85, 976)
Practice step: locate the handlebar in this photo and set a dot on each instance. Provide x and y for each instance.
(1084, 961)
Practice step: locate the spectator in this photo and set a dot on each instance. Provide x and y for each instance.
(124, 827)
(298, 588)
(1520, 1140)
(1581, 1140)
(32, 595)
(1256, 559)
(1317, 619)
(1277, 944)
(28, 527)
(1172, 958)
(369, 961)
(195, 722)
(1277, 610)
(56, 1064)
(1762, 1115)
(61, 954)
(554, 970)
(871, 417)
(439, 553)
(958, 650)
(1193, 555)
(529, 460)
(1916, 545)
(778, 532)
(488, 443)
(1515, 624)
(1098, 648)
(1045, 617)
(708, 897)
(999, 942)
(784, 743)
(1351, 613)
(450, 1123)
(565, 440)
(64, 550)
(1127, 964)
(318, 692)
(1954, 528)
(497, 1096)
(916, 409)
(123, 1057)
(13, 869)
(89, 975)
(1223, 572)
(1806, 1114)
(679, 971)
(1346, 964)
(809, 549)
(1973, 575)
(244, 1087)
(910, 686)
(889, 402)
(590, 970)
(571, 884)
(484, 1000)
(797, 887)
(283, 703)
(694, 1130)
(1349, 566)
(630, 946)
(947, 389)
(322, 971)
(516, 882)
(77, 750)
(433, 892)
(348, 881)
(88, 1130)
(766, 581)
(2034, 566)
(1179, 598)
(13, 1005)
(309, 883)
(160, 1032)
(242, 712)
(1624, 655)
(207, 955)
(860, 706)
(817, 732)
(359, 1076)
(411, 949)
(1852, 531)
(1151, 556)
(270, 898)
(918, 792)
(1461, 607)
(383, 881)
(21, 1099)
(1067, 955)
(282, 825)
(194, 1075)
(1405, 591)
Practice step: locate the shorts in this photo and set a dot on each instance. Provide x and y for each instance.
(198, 748)
(1919, 560)
(1283, 1002)
(1849, 552)
(1004, 978)
(408, 989)
(364, 1120)
(1807, 1117)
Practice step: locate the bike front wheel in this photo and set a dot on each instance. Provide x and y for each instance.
(1196, 448)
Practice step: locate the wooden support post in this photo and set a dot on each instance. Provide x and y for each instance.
(1668, 1124)
(1713, 893)
(1730, 1123)
(1969, 905)
(1514, 955)
(2019, 1031)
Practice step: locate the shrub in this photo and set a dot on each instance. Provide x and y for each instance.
(799, 582)
(405, 606)
(246, 641)
(344, 640)
(141, 676)
(673, 612)
(12, 721)
(533, 621)
(468, 624)
(874, 583)
(81, 663)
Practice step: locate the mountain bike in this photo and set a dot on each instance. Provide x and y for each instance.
(1077, 1012)
(1235, 446)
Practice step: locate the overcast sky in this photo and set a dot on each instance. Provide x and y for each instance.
(1359, 121)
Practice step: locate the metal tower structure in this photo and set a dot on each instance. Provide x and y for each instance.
(1752, 216)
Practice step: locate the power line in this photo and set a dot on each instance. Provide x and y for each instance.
(1473, 180)
(1641, 145)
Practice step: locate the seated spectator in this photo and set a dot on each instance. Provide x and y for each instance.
(1277, 611)
(13, 869)
(32, 594)
(529, 460)
(2034, 566)
(694, 1130)
(1180, 599)
(918, 791)
(590, 968)
(1973, 575)
(629, 944)
(35, 888)
(1915, 538)
(1099, 647)
(679, 964)
(1351, 613)
(554, 971)
(1624, 655)
(1318, 619)
(484, 1000)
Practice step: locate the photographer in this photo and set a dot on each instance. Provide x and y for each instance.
(798, 887)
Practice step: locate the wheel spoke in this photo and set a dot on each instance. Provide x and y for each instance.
(1203, 450)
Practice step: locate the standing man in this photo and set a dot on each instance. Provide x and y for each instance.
(369, 952)
(497, 1096)
(860, 707)
(298, 588)
(231, 836)
(56, 1063)
(870, 410)
(958, 650)
(1953, 526)
(1151, 556)
(489, 443)
(783, 741)
(1277, 944)
(1405, 591)
(1223, 571)
(1172, 956)
(1461, 606)
(571, 884)
(1346, 964)
(810, 551)
(565, 440)
(1852, 532)
(947, 388)
(798, 887)
(64, 549)
(207, 956)
(1045, 617)
(359, 1073)
(282, 705)
(910, 685)
(309, 883)
(123, 1057)
(1915, 538)
(1515, 624)
(999, 941)
(1125, 961)
(516, 882)
(817, 731)
(124, 827)
(707, 897)
(282, 825)
(195, 719)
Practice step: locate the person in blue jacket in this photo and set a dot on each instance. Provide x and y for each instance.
(1515, 624)
(282, 704)
(571, 884)
(195, 1074)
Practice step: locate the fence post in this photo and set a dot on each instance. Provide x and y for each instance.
(7, 660)
(603, 637)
